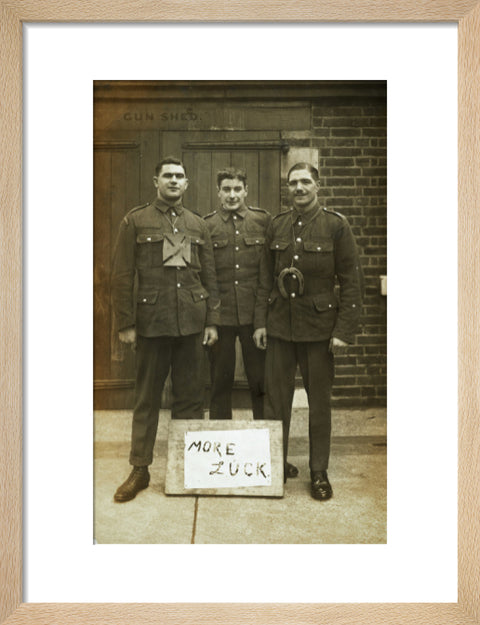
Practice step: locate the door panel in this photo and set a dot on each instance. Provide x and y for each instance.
(124, 168)
(249, 161)
(269, 181)
(116, 190)
(225, 149)
(102, 220)
(203, 161)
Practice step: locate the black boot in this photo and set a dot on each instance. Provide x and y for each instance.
(321, 487)
(290, 470)
(138, 479)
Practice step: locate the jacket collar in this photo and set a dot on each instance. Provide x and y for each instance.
(307, 216)
(164, 207)
(241, 212)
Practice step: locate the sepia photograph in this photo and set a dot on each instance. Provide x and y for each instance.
(240, 310)
(195, 325)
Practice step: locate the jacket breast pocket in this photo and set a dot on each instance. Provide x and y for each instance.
(149, 249)
(219, 244)
(253, 246)
(319, 256)
(221, 252)
(280, 246)
(258, 241)
(196, 243)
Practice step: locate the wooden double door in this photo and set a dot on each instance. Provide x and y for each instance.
(124, 164)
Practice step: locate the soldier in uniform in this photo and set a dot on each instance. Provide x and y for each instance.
(238, 236)
(307, 249)
(165, 252)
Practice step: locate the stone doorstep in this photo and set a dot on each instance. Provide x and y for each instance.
(114, 425)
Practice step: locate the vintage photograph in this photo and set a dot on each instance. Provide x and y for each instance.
(240, 312)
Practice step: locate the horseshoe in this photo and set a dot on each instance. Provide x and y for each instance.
(294, 272)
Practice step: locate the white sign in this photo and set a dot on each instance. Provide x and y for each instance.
(226, 458)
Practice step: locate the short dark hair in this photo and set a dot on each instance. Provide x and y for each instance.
(313, 170)
(229, 173)
(169, 160)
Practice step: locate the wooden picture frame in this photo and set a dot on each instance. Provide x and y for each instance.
(14, 13)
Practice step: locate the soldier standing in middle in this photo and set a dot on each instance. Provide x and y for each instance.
(238, 235)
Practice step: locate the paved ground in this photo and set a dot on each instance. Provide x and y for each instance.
(357, 513)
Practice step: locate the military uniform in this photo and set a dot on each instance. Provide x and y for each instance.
(297, 303)
(173, 304)
(238, 238)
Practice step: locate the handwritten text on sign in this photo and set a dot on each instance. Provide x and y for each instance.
(216, 459)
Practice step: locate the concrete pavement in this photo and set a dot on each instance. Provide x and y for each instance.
(357, 513)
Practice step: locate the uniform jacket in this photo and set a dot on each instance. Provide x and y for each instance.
(321, 245)
(166, 301)
(238, 238)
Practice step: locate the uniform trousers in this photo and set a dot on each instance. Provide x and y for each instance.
(222, 361)
(317, 370)
(155, 356)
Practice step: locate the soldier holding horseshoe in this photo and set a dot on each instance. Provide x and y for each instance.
(298, 317)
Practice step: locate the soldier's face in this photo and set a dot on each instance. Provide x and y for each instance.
(232, 194)
(171, 182)
(302, 187)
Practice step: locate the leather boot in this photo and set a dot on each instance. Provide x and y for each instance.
(321, 487)
(290, 470)
(138, 479)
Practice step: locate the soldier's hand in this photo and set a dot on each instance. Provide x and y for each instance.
(336, 345)
(260, 338)
(210, 336)
(129, 336)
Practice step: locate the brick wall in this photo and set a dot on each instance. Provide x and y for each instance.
(351, 140)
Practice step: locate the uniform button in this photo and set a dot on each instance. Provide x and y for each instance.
(257, 241)
(318, 247)
(201, 296)
(329, 305)
(144, 299)
(215, 245)
(174, 214)
(299, 240)
(236, 281)
(353, 306)
(296, 257)
(299, 223)
(175, 230)
(149, 238)
(237, 232)
(294, 277)
(234, 216)
(276, 246)
(178, 285)
(292, 295)
(236, 248)
(237, 266)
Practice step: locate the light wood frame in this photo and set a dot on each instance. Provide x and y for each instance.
(14, 13)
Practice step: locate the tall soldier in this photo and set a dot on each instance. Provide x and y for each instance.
(307, 248)
(167, 250)
(238, 235)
